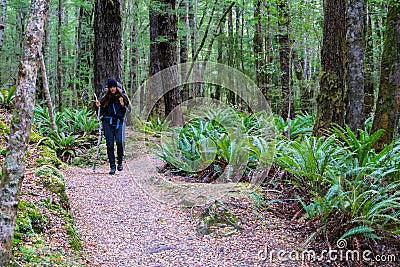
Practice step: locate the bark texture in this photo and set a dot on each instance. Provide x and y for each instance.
(284, 59)
(14, 165)
(369, 82)
(59, 56)
(258, 47)
(167, 27)
(330, 99)
(163, 52)
(154, 56)
(355, 64)
(3, 17)
(47, 93)
(107, 42)
(387, 106)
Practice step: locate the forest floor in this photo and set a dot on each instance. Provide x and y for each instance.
(140, 217)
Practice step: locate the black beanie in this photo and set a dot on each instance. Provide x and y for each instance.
(111, 82)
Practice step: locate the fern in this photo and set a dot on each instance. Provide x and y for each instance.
(361, 230)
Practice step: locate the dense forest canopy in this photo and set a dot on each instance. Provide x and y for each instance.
(234, 43)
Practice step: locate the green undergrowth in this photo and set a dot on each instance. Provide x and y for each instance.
(44, 209)
(29, 243)
(345, 187)
(86, 159)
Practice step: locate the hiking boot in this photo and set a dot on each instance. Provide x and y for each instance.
(112, 171)
(120, 168)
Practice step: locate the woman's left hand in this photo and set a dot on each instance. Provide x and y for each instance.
(121, 101)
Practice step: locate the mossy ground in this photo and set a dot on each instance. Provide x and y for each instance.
(45, 233)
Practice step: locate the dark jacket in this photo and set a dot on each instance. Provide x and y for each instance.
(113, 113)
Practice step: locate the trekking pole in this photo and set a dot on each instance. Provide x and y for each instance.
(99, 136)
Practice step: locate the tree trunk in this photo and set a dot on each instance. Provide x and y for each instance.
(305, 91)
(21, 31)
(154, 57)
(107, 42)
(369, 84)
(133, 62)
(14, 166)
(184, 46)
(198, 87)
(268, 59)
(193, 26)
(3, 18)
(194, 40)
(258, 48)
(78, 40)
(330, 99)
(85, 50)
(59, 57)
(167, 27)
(231, 96)
(355, 64)
(47, 92)
(387, 106)
(284, 58)
(220, 54)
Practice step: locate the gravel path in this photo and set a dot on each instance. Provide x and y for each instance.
(123, 222)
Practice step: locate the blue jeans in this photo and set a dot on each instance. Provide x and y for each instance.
(113, 134)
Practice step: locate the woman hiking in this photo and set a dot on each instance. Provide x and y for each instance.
(113, 106)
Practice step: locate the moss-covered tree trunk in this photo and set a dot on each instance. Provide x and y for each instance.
(330, 99)
(355, 64)
(387, 106)
(14, 165)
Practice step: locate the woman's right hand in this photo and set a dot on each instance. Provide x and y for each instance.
(97, 103)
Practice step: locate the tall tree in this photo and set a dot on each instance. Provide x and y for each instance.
(355, 64)
(3, 16)
(163, 51)
(14, 165)
(305, 92)
(330, 99)
(59, 55)
(47, 92)
(20, 16)
(83, 50)
(369, 82)
(154, 55)
(268, 49)
(284, 58)
(184, 44)
(387, 106)
(167, 28)
(133, 47)
(231, 96)
(258, 47)
(107, 42)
